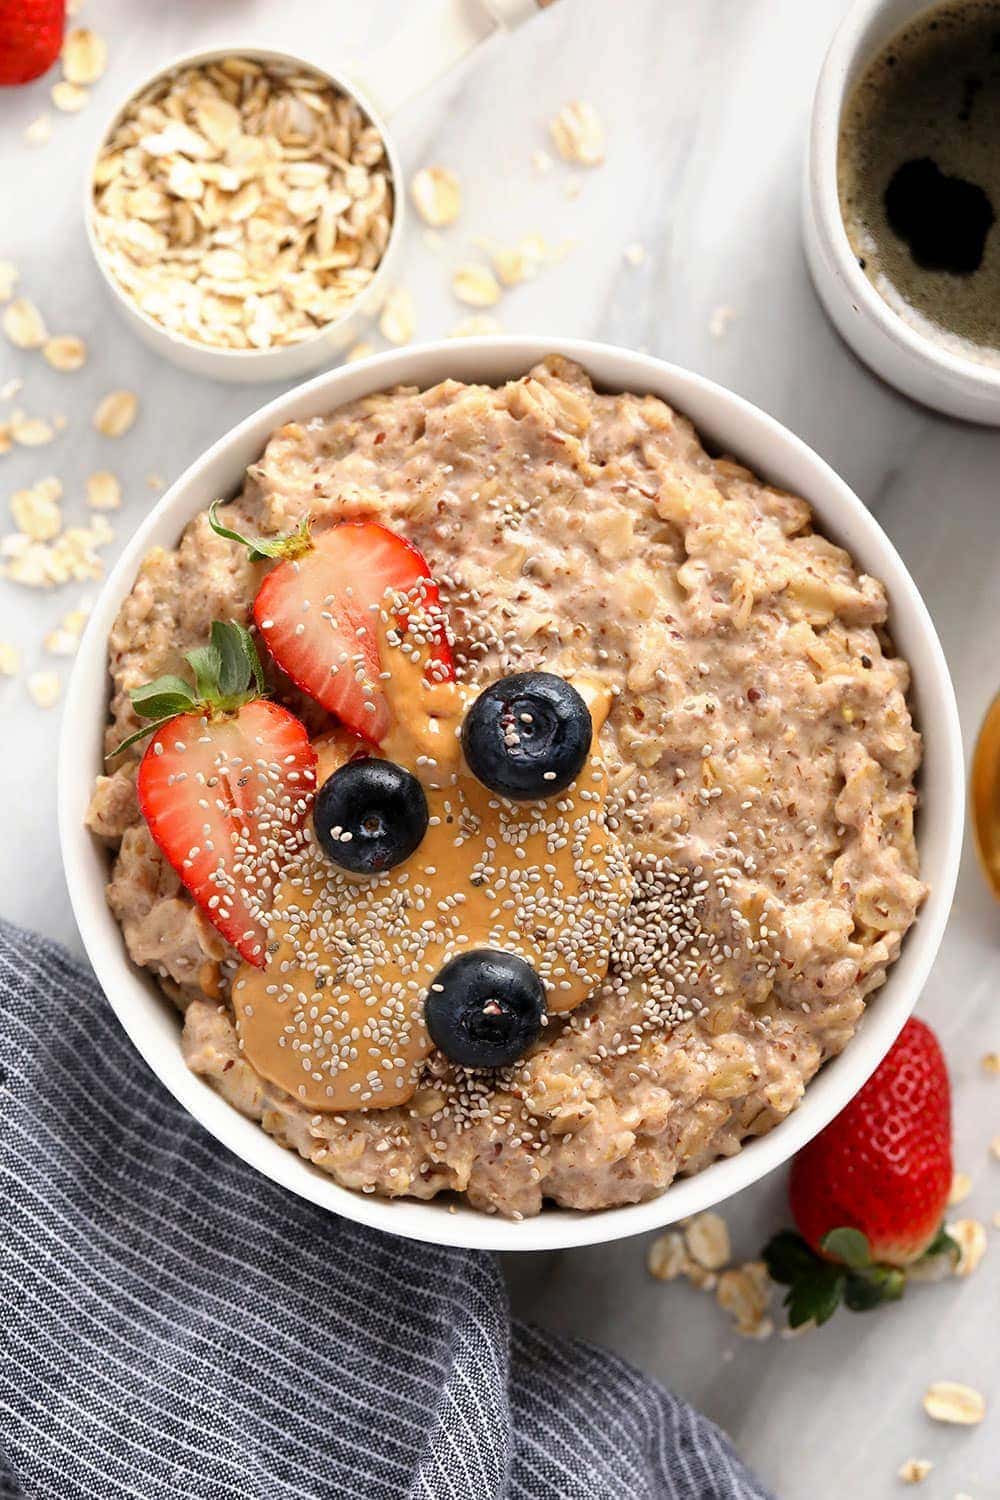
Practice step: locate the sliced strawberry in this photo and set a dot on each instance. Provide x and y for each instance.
(225, 800)
(317, 613)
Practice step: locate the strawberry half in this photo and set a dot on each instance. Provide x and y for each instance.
(869, 1193)
(31, 33)
(225, 785)
(318, 609)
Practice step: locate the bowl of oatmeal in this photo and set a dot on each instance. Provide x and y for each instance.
(773, 795)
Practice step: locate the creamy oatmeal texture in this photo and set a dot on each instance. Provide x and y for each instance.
(759, 753)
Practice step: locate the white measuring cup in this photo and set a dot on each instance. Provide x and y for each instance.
(439, 35)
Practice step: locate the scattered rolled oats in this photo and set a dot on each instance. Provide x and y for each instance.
(358, 351)
(541, 161)
(476, 286)
(961, 1187)
(707, 1238)
(995, 1146)
(476, 325)
(36, 514)
(437, 195)
(578, 134)
(948, 1401)
(243, 206)
(991, 1062)
(39, 132)
(30, 432)
(666, 1257)
(10, 660)
(970, 1236)
(116, 413)
(23, 324)
(635, 253)
(8, 279)
(84, 55)
(103, 491)
(64, 640)
(6, 438)
(10, 387)
(45, 688)
(398, 320)
(73, 556)
(65, 352)
(915, 1470)
(155, 481)
(69, 97)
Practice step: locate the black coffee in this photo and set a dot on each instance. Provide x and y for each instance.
(919, 175)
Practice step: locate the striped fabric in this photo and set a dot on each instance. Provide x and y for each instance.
(173, 1325)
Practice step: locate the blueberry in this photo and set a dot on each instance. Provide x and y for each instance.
(485, 1008)
(527, 736)
(370, 815)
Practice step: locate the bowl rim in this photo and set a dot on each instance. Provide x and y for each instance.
(233, 358)
(779, 456)
(849, 51)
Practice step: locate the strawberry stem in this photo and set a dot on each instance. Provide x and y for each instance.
(227, 674)
(288, 546)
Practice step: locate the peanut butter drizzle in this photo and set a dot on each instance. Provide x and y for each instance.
(336, 1019)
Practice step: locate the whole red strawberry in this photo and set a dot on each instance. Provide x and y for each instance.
(31, 33)
(870, 1192)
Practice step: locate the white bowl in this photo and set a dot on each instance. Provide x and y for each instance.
(913, 363)
(773, 452)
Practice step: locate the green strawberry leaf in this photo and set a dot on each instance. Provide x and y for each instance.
(787, 1257)
(163, 699)
(238, 659)
(816, 1296)
(868, 1289)
(943, 1244)
(207, 666)
(849, 1246)
(290, 544)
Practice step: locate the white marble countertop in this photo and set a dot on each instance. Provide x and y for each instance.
(706, 105)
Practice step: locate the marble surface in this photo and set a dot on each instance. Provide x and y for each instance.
(706, 103)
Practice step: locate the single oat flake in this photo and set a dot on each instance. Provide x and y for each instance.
(476, 286)
(666, 1257)
(437, 196)
(31, 432)
(23, 324)
(358, 351)
(36, 514)
(707, 1238)
(948, 1401)
(970, 1237)
(65, 352)
(961, 1187)
(69, 97)
(45, 688)
(84, 55)
(398, 320)
(65, 638)
(8, 279)
(39, 132)
(10, 659)
(914, 1470)
(104, 491)
(116, 413)
(578, 134)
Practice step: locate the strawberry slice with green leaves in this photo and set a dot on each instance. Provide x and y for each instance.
(225, 784)
(318, 613)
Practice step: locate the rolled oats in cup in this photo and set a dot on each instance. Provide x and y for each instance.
(242, 203)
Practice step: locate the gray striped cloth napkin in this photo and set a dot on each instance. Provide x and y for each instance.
(173, 1325)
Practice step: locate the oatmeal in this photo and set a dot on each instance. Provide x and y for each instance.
(758, 763)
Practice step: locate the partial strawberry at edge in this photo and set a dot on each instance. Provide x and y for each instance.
(317, 614)
(31, 33)
(204, 789)
(869, 1193)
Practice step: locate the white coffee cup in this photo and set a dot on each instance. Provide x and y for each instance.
(911, 361)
